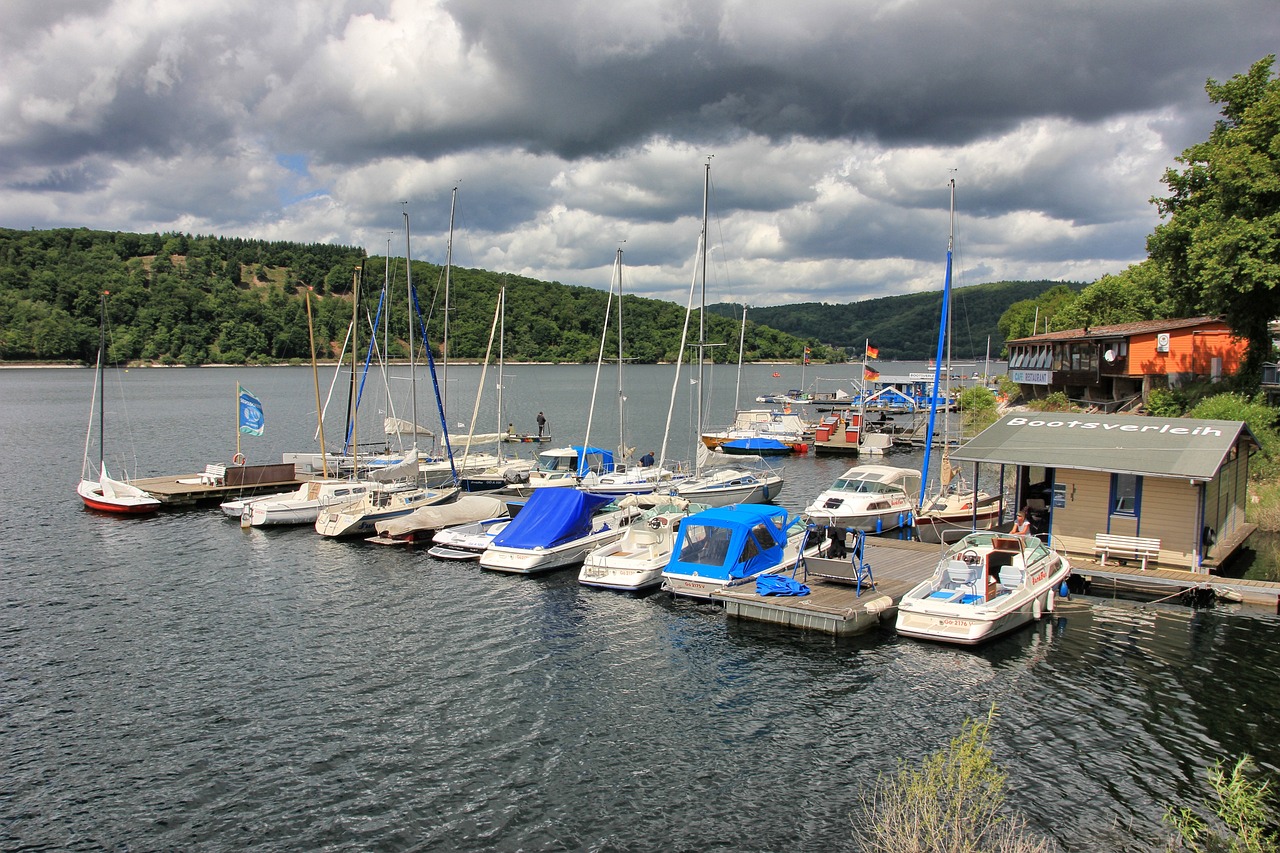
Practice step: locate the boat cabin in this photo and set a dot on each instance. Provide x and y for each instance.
(1176, 483)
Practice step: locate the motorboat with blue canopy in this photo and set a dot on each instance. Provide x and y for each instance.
(556, 528)
(550, 517)
(566, 466)
(726, 546)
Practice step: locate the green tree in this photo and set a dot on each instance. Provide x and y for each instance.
(1138, 293)
(1220, 243)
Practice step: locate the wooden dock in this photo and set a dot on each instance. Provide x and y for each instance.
(186, 490)
(835, 607)
(1096, 579)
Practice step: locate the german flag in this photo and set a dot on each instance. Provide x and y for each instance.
(873, 352)
(870, 375)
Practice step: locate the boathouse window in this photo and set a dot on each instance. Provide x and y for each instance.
(1126, 494)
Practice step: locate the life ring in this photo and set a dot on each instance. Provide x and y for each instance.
(238, 459)
(966, 506)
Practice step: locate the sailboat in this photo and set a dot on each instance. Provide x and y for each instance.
(625, 478)
(956, 507)
(500, 472)
(107, 494)
(713, 484)
(402, 492)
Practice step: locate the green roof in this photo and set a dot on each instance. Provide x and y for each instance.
(1159, 447)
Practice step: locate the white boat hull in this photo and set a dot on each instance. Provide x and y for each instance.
(946, 611)
(360, 517)
(528, 561)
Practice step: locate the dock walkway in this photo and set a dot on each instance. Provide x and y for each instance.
(1154, 580)
(184, 490)
(834, 607)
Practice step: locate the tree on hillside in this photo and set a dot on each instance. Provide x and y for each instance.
(1220, 245)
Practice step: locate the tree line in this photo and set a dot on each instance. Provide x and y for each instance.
(183, 299)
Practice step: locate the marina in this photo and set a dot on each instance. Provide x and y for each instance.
(269, 688)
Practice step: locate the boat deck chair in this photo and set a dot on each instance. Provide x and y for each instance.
(962, 580)
(1013, 575)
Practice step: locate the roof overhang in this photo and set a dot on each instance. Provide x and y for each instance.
(1157, 447)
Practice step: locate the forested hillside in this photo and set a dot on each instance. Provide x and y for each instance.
(904, 327)
(178, 299)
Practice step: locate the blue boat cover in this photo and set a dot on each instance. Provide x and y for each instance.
(593, 459)
(551, 516)
(779, 585)
(758, 445)
(735, 541)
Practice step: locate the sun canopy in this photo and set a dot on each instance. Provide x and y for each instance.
(735, 541)
(551, 516)
(1157, 447)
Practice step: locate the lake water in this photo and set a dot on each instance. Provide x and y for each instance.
(178, 683)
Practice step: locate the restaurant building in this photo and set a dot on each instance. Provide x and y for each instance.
(1114, 367)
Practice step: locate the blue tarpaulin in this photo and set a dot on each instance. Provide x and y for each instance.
(551, 516)
(779, 585)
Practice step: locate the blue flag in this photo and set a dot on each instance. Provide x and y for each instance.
(251, 418)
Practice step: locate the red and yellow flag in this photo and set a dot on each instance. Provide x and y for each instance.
(873, 352)
(870, 375)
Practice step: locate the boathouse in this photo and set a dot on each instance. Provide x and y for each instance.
(1182, 482)
(1114, 366)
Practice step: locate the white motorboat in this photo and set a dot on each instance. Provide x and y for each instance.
(727, 546)
(867, 497)
(946, 516)
(631, 480)
(635, 561)
(557, 528)
(467, 541)
(987, 584)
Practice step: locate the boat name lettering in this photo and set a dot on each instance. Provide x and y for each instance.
(1077, 424)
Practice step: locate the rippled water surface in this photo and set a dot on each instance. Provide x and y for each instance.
(177, 683)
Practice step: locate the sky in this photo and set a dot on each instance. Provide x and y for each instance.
(570, 130)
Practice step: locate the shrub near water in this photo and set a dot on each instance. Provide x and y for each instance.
(954, 803)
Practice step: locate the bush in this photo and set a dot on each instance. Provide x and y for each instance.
(1261, 420)
(1055, 402)
(1242, 814)
(954, 803)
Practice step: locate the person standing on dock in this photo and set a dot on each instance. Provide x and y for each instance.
(542, 422)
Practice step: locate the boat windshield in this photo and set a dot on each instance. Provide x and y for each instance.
(1032, 549)
(864, 487)
(553, 464)
(705, 545)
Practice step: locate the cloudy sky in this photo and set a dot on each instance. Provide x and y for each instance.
(569, 127)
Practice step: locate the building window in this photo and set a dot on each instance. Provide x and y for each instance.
(1126, 495)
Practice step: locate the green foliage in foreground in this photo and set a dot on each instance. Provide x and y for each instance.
(1239, 818)
(955, 802)
(1261, 419)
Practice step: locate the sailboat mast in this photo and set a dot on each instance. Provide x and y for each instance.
(944, 323)
(102, 359)
(742, 342)
(355, 330)
(622, 399)
(448, 268)
(702, 311)
(413, 373)
(502, 358)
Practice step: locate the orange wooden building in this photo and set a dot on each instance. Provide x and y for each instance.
(1113, 366)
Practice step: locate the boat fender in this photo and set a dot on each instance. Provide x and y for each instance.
(1064, 591)
(879, 525)
(1036, 612)
(1048, 602)
(238, 459)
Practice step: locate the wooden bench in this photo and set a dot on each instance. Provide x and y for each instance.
(213, 475)
(1126, 547)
